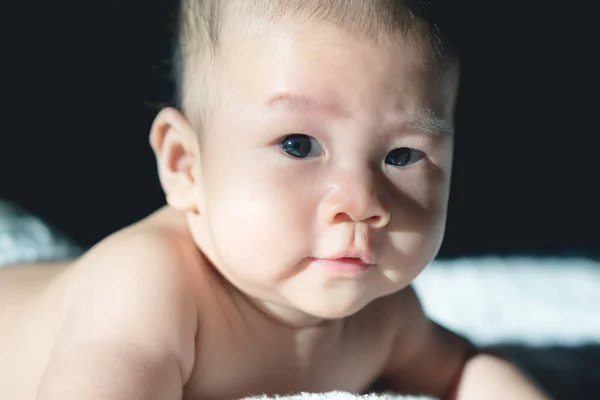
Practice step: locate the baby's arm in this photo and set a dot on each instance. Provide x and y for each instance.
(129, 329)
(428, 359)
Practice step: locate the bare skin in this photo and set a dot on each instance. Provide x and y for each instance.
(218, 333)
(284, 259)
(234, 338)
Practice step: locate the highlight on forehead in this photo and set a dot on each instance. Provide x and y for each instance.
(202, 24)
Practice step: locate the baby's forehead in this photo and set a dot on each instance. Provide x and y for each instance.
(319, 56)
(318, 77)
(274, 43)
(292, 38)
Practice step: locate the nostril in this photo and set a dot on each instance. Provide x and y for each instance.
(379, 220)
(341, 218)
(374, 220)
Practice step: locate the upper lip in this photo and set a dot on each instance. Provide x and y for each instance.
(365, 256)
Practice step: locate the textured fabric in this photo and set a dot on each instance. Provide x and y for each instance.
(25, 238)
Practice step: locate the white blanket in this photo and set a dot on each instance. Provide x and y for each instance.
(542, 312)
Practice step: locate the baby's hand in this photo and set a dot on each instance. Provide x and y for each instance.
(128, 328)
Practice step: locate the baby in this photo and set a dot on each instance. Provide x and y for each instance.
(306, 174)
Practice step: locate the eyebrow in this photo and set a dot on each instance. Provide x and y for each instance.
(303, 103)
(424, 120)
(427, 121)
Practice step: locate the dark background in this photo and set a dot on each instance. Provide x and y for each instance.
(77, 77)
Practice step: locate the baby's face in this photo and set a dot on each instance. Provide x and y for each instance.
(325, 171)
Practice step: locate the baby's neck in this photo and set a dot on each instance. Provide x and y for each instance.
(287, 316)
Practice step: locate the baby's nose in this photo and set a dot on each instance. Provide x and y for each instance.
(355, 199)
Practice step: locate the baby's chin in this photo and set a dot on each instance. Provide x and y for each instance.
(330, 308)
(343, 298)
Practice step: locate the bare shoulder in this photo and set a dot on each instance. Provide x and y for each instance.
(427, 357)
(146, 269)
(157, 250)
(131, 297)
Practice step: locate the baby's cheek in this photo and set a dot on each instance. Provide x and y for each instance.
(253, 219)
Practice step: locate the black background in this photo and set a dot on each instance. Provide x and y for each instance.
(77, 77)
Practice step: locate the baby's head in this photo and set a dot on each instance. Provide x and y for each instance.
(311, 130)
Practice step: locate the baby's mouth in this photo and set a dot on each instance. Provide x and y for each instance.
(345, 265)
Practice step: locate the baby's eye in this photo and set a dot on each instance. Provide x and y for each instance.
(300, 146)
(403, 156)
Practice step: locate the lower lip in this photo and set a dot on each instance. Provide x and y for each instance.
(344, 265)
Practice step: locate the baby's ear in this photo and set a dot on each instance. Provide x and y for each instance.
(175, 146)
